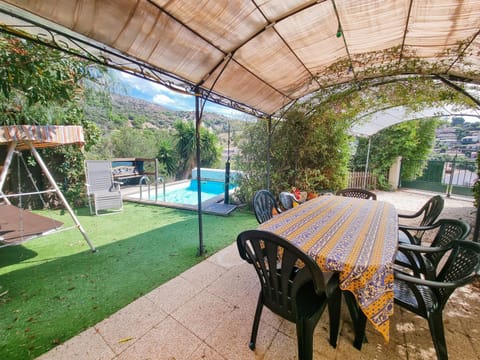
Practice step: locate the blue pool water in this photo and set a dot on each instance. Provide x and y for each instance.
(187, 193)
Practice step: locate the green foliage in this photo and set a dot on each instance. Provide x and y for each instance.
(309, 151)
(186, 147)
(166, 157)
(253, 160)
(476, 186)
(129, 142)
(210, 149)
(310, 147)
(413, 140)
(42, 86)
(313, 149)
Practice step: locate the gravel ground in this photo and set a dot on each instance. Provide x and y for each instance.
(409, 201)
(456, 207)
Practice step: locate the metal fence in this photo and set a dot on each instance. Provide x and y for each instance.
(450, 177)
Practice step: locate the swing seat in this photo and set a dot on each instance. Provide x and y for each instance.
(22, 137)
(18, 225)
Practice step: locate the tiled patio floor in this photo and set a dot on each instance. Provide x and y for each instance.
(207, 313)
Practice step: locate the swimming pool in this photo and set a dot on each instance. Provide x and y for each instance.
(186, 193)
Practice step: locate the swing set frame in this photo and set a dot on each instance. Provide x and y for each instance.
(17, 139)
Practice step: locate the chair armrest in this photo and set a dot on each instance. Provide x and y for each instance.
(416, 260)
(424, 249)
(408, 229)
(431, 283)
(116, 184)
(409, 236)
(417, 228)
(411, 216)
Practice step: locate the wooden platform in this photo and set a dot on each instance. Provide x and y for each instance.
(18, 225)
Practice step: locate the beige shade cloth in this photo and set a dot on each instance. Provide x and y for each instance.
(41, 136)
(265, 54)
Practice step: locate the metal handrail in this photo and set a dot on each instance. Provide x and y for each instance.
(147, 182)
(162, 180)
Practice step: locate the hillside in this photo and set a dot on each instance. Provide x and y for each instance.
(132, 112)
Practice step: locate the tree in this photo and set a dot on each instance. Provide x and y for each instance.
(412, 140)
(43, 86)
(457, 120)
(309, 151)
(185, 134)
(186, 148)
(166, 156)
(128, 142)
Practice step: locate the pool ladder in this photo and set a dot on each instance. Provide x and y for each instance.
(144, 180)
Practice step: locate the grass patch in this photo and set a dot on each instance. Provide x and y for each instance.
(53, 287)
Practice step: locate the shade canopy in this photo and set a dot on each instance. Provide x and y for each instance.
(260, 56)
(369, 124)
(41, 136)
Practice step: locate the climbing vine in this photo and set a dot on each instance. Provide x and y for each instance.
(311, 143)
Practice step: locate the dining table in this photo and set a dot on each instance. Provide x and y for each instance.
(354, 237)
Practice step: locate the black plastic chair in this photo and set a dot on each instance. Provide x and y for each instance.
(264, 204)
(287, 200)
(429, 212)
(426, 262)
(427, 298)
(357, 193)
(292, 286)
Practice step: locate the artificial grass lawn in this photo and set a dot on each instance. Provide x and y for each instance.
(54, 287)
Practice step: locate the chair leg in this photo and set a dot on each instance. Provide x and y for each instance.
(305, 329)
(358, 318)
(360, 330)
(90, 204)
(435, 322)
(334, 308)
(256, 322)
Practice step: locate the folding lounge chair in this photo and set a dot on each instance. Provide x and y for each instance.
(101, 188)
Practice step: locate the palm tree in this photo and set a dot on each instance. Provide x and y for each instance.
(186, 147)
(166, 156)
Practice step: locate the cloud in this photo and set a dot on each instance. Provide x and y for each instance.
(226, 111)
(163, 99)
(149, 91)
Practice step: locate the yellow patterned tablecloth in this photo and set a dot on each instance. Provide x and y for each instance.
(355, 237)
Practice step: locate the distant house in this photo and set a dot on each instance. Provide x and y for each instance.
(470, 139)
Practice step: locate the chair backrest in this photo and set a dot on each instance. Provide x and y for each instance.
(357, 193)
(448, 231)
(282, 268)
(461, 268)
(287, 199)
(264, 204)
(431, 210)
(99, 175)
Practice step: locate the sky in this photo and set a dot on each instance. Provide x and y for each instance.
(158, 94)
